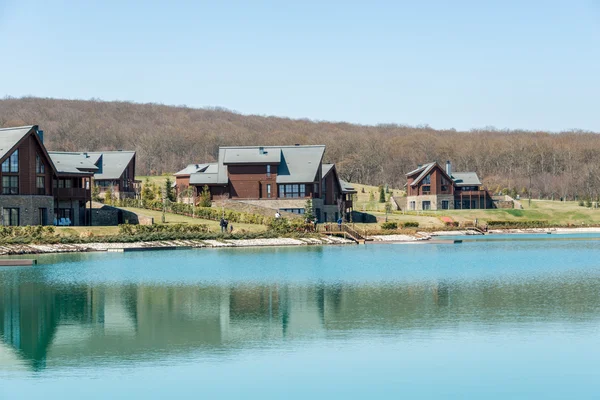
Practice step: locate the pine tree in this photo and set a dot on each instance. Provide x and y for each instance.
(108, 196)
(308, 210)
(205, 200)
(147, 191)
(170, 193)
(95, 192)
(381, 194)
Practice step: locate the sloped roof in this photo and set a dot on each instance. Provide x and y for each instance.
(300, 164)
(9, 137)
(113, 163)
(347, 187)
(426, 169)
(202, 178)
(252, 155)
(466, 179)
(326, 169)
(72, 163)
(192, 169)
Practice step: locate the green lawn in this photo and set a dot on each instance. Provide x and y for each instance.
(364, 202)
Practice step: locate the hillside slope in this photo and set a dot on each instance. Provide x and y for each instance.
(167, 138)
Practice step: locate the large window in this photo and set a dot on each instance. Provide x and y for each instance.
(268, 171)
(10, 184)
(10, 216)
(126, 178)
(426, 189)
(426, 205)
(413, 205)
(292, 191)
(445, 204)
(65, 183)
(269, 190)
(40, 168)
(11, 164)
(427, 180)
(40, 184)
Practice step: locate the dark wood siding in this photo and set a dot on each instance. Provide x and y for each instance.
(250, 181)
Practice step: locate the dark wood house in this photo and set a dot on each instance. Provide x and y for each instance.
(431, 187)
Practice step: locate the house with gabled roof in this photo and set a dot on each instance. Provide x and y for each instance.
(38, 187)
(431, 187)
(277, 177)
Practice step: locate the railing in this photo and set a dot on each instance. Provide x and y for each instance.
(470, 193)
(346, 229)
(73, 192)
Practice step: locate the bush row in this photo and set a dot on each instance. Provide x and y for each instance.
(127, 229)
(189, 210)
(519, 224)
(394, 225)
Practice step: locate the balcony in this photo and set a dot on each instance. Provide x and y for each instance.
(465, 193)
(79, 193)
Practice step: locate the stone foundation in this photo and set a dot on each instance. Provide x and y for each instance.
(29, 208)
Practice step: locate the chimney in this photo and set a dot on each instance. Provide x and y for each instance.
(297, 144)
(41, 135)
(86, 155)
(449, 168)
(261, 150)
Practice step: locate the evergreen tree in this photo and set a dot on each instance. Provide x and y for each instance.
(308, 210)
(109, 196)
(381, 194)
(147, 191)
(205, 197)
(371, 197)
(170, 193)
(95, 192)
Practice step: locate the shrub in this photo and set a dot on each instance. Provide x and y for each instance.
(205, 197)
(410, 224)
(389, 225)
(451, 223)
(519, 224)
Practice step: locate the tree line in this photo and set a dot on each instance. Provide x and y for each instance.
(167, 138)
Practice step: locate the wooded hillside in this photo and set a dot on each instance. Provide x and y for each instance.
(167, 138)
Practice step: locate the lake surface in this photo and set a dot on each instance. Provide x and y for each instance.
(500, 318)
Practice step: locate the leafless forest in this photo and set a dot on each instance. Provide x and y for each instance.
(565, 164)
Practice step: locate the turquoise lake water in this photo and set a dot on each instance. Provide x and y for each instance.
(495, 317)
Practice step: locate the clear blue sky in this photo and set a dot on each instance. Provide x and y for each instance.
(462, 64)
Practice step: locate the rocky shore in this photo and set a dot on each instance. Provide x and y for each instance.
(18, 249)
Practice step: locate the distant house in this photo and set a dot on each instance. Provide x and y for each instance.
(277, 177)
(431, 187)
(42, 188)
(116, 170)
(72, 187)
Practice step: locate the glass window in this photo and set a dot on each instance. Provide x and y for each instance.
(10, 216)
(40, 182)
(323, 186)
(268, 190)
(302, 190)
(427, 180)
(11, 164)
(426, 189)
(445, 204)
(268, 171)
(10, 185)
(40, 168)
(292, 191)
(426, 205)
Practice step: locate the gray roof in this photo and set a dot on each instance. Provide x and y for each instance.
(466, 179)
(9, 137)
(325, 170)
(192, 169)
(252, 155)
(347, 187)
(72, 163)
(113, 163)
(425, 170)
(202, 178)
(297, 164)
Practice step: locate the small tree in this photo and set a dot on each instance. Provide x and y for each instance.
(205, 200)
(308, 210)
(147, 191)
(169, 192)
(381, 194)
(95, 192)
(109, 197)
(371, 196)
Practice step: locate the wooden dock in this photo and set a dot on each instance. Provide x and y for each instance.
(18, 262)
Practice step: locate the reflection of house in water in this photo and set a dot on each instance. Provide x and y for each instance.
(42, 325)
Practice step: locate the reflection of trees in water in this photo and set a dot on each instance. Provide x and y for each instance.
(130, 320)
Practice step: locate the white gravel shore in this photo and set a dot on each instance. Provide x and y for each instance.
(16, 249)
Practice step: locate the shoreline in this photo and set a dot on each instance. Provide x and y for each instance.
(419, 237)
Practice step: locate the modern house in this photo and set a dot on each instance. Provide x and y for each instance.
(43, 188)
(277, 177)
(72, 187)
(116, 171)
(26, 175)
(431, 187)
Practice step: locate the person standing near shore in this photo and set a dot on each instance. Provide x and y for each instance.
(222, 225)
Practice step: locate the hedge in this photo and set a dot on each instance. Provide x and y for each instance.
(410, 224)
(519, 224)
